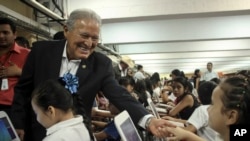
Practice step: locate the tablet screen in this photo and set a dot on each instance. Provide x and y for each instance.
(129, 131)
(6, 132)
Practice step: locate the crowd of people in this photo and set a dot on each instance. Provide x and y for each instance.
(50, 90)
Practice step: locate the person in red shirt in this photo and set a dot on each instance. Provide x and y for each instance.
(12, 58)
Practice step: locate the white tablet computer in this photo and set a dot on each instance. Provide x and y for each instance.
(126, 127)
(156, 114)
(152, 108)
(7, 131)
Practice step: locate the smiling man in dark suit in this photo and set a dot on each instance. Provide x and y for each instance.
(75, 55)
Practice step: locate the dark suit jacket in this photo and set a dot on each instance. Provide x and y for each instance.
(44, 62)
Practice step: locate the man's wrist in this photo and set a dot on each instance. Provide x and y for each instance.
(148, 122)
(143, 120)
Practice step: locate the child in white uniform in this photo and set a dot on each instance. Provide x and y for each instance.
(198, 121)
(54, 107)
(230, 106)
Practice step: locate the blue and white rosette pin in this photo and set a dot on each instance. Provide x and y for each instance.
(71, 82)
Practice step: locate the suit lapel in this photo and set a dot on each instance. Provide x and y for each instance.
(83, 71)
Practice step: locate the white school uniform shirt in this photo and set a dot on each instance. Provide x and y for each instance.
(218, 137)
(148, 94)
(139, 76)
(69, 130)
(199, 119)
(172, 97)
(157, 91)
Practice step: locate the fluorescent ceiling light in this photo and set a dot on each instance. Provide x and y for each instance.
(43, 9)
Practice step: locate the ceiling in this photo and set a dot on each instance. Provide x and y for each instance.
(163, 35)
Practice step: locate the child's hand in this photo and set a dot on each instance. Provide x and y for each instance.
(178, 133)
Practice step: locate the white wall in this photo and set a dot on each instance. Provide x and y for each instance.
(177, 30)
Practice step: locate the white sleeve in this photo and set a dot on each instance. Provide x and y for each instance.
(198, 118)
(142, 76)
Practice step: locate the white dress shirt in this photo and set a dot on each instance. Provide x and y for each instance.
(139, 76)
(123, 72)
(207, 76)
(67, 65)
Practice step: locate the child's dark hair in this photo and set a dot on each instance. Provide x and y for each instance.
(237, 96)
(139, 67)
(177, 72)
(245, 74)
(149, 85)
(140, 90)
(196, 71)
(53, 93)
(190, 87)
(184, 82)
(22, 41)
(155, 78)
(205, 92)
(125, 81)
(216, 80)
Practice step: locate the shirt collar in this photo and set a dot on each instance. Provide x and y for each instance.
(64, 51)
(120, 67)
(16, 48)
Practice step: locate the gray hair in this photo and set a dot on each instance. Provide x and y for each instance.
(82, 14)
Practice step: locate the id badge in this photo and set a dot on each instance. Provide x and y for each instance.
(5, 85)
